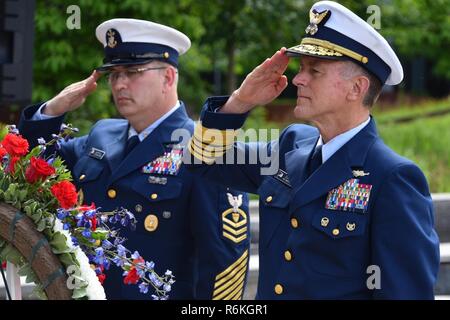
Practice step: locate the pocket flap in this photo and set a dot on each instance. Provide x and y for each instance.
(86, 170)
(274, 193)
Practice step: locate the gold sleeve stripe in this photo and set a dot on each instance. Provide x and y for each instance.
(234, 265)
(230, 283)
(207, 151)
(232, 276)
(214, 136)
(235, 283)
(209, 147)
(198, 154)
(236, 293)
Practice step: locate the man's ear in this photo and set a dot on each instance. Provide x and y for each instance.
(169, 77)
(359, 87)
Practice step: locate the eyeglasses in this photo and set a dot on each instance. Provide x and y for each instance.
(130, 74)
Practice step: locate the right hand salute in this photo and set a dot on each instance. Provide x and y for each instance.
(72, 97)
(261, 86)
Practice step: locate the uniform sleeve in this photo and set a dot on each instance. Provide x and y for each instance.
(214, 154)
(405, 245)
(220, 223)
(32, 130)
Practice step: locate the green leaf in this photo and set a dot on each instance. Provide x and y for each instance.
(26, 271)
(41, 225)
(100, 234)
(3, 132)
(11, 254)
(79, 293)
(68, 259)
(58, 243)
(39, 293)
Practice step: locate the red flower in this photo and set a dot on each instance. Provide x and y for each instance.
(12, 164)
(101, 277)
(15, 145)
(39, 169)
(3, 265)
(132, 277)
(87, 208)
(65, 193)
(3, 152)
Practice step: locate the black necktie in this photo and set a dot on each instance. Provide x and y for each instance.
(131, 143)
(315, 161)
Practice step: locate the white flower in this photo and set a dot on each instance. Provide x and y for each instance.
(94, 290)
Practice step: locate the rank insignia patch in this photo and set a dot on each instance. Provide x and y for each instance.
(169, 163)
(351, 196)
(234, 220)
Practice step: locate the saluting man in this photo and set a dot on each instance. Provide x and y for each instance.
(185, 224)
(344, 217)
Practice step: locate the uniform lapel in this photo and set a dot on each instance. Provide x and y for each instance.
(297, 160)
(114, 149)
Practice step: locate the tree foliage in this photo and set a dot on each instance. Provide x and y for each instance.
(228, 39)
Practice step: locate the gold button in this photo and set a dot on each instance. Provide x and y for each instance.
(335, 232)
(82, 177)
(151, 223)
(294, 223)
(112, 193)
(288, 255)
(154, 196)
(278, 289)
(269, 199)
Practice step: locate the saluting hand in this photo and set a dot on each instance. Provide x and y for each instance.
(72, 97)
(261, 86)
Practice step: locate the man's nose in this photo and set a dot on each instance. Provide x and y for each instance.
(300, 79)
(120, 81)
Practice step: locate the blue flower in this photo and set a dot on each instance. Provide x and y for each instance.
(167, 287)
(150, 265)
(66, 226)
(90, 213)
(118, 261)
(61, 214)
(135, 255)
(143, 287)
(74, 241)
(107, 244)
(86, 233)
(121, 251)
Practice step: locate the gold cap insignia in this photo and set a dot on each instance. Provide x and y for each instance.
(111, 38)
(315, 18)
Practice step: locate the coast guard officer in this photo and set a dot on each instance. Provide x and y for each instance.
(195, 228)
(344, 217)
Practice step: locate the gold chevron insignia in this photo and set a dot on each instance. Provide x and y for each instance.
(234, 220)
(229, 284)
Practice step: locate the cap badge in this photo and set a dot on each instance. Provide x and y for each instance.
(111, 38)
(315, 18)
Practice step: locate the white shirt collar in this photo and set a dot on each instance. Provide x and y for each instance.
(332, 146)
(154, 125)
